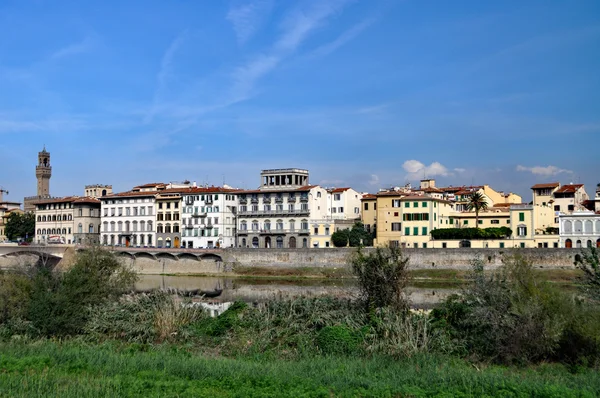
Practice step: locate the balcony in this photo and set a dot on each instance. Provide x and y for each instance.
(273, 231)
(266, 200)
(243, 201)
(209, 200)
(291, 199)
(267, 213)
(209, 226)
(254, 200)
(198, 215)
(304, 198)
(279, 199)
(188, 227)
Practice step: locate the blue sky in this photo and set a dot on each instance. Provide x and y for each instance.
(362, 93)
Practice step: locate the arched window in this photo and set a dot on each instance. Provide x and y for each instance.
(39, 232)
(44, 231)
(149, 240)
(127, 226)
(53, 231)
(104, 192)
(304, 243)
(578, 244)
(105, 226)
(318, 194)
(112, 240)
(112, 226)
(105, 239)
(70, 217)
(244, 242)
(465, 243)
(120, 226)
(54, 218)
(91, 228)
(280, 242)
(80, 228)
(64, 217)
(268, 242)
(589, 243)
(149, 228)
(578, 227)
(167, 228)
(267, 225)
(255, 225)
(292, 225)
(159, 229)
(255, 242)
(568, 227)
(44, 219)
(39, 218)
(279, 225)
(142, 225)
(159, 242)
(598, 243)
(244, 227)
(304, 225)
(292, 242)
(175, 228)
(135, 226)
(64, 231)
(589, 227)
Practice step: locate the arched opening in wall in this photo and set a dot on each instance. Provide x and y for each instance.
(39, 218)
(64, 231)
(44, 219)
(176, 242)
(188, 256)
(598, 243)
(64, 217)
(243, 242)
(80, 228)
(465, 243)
(589, 243)
(159, 243)
(292, 242)
(168, 243)
(105, 240)
(145, 255)
(578, 244)
(568, 243)
(268, 242)
(112, 240)
(304, 243)
(104, 192)
(280, 242)
(53, 218)
(255, 243)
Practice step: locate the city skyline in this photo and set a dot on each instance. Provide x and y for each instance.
(362, 94)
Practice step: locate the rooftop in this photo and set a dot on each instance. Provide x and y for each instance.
(569, 188)
(546, 185)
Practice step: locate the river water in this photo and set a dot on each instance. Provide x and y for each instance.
(261, 289)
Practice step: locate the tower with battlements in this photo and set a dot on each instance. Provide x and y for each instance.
(43, 173)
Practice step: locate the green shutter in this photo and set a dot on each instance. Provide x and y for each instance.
(415, 230)
(521, 216)
(424, 231)
(406, 204)
(415, 204)
(407, 231)
(501, 245)
(424, 204)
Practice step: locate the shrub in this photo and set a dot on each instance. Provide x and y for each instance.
(59, 302)
(15, 289)
(509, 316)
(339, 339)
(382, 278)
(471, 233)
(340, 238)
(589, 262)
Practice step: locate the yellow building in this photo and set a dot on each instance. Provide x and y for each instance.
(369, 212)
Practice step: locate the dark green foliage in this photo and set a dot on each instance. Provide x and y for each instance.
(471, 233)
(340, 238)
(477, 202)
(219, 326)
(382, 278)
(551, 230)
(355, 237)
(511, 317)
(20, 226)
(14, 295)
(339, 339)
(589, 263)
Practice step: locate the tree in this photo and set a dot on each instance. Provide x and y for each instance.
(355, 237)
(477, 203)
(20, 226)
(382, 278)
(589, 263)
(340, 238)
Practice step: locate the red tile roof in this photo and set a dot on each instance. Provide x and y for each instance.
(547, 185)
(337, 190)
(369, 196)
(569, 188)
(305, 188)
(150, 185)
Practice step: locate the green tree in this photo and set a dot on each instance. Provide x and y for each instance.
(20, 226)
(477, 203)
(589, 263)
(340, 238)
(382, 278)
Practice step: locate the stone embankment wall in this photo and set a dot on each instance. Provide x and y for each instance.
(459, 259)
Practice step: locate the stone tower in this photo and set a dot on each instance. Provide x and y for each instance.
(43, 172)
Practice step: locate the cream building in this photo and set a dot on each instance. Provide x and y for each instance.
(369, 212)
(209, 217)
(97, 190)
(68, 220)
(278, 214)
(168, 219)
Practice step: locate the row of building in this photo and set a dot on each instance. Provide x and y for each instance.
(286, 211)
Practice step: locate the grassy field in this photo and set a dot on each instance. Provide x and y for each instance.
(51, 369)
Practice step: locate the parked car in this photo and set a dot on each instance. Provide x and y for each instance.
(23, 243)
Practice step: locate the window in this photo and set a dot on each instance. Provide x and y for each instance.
(424, 231)
(337, 196)
(366, 206)
(255, 225)
(396, 203)
(424, 204)
(160, 205)
(415, 230)
(451, 221)
(479, 221)
(292, 225)
(556, 207)
(316, 230)
(396, 226)
(395, 214)
(407, 231)
(327, 231)
(406, 204)
(424, 245)
(465, 222)
(356, 210)
(521, 216)
(415, 204)
(495, 221)
(571, 207)
(522, 230)
(522, 245)
(341, 210)
(501, 245)
(444, 245)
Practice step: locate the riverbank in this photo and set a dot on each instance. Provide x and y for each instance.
(72, 369)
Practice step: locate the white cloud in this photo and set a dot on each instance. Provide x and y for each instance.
(374, 179)
(544, 171)
(72, 49)
(416, 169)
(247, 18)
(460, 170)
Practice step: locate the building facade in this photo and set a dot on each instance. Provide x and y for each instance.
(97, 190)
(168, 219)
(580, 229)
(209, 217)
(68, 220)
(278, 214)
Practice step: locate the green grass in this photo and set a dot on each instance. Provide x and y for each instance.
(51, 369)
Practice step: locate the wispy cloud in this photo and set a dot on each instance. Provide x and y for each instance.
(247, 18)
(164, 73)
(296, 28)
(72, 49)
(344, 38)
(545, 171)
(416, 169)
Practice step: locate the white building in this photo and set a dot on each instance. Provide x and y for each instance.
(343, 209)
(278, 214)
(579, 229)
(208, 217)
(128, 218)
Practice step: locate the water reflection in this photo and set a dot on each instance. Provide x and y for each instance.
(262, 289)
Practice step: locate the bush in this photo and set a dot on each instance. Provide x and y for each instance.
(589, 262)
(382, 278)
(59, 303)
(15, 289)
(509, 316)
(355, 237)
(339, 339)
(471, 233)
(340, 238)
